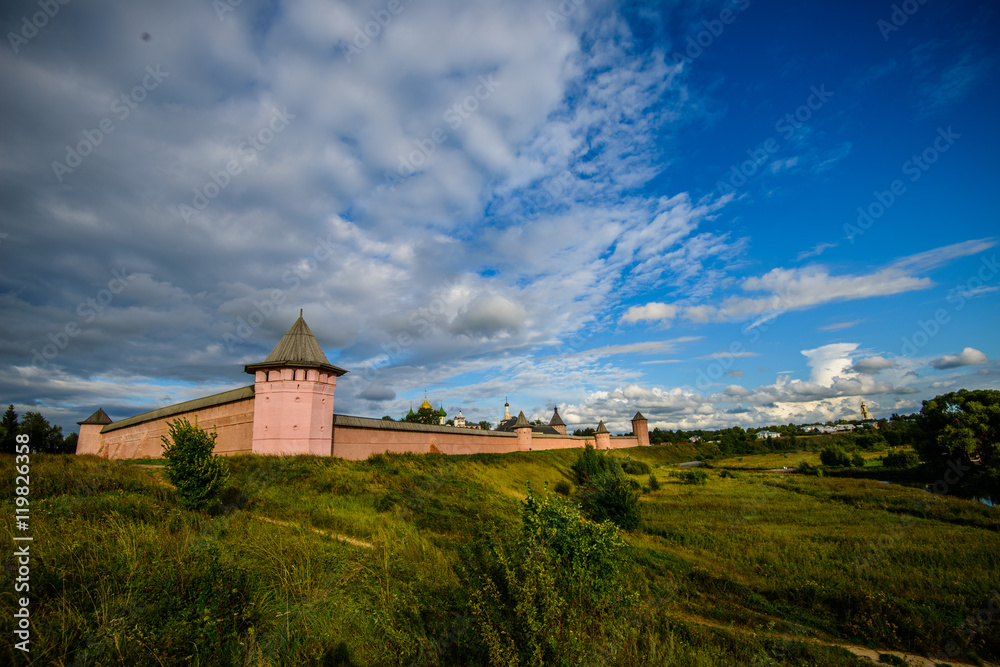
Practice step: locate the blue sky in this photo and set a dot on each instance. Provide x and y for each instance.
(736, 213)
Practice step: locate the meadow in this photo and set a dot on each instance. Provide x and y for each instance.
(310, 560)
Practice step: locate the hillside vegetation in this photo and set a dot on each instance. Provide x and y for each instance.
(405, 560)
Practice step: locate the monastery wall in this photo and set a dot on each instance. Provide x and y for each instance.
(358, 437)
(289, 410)
(139, 437)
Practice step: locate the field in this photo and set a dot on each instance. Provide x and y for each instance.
(324, 561)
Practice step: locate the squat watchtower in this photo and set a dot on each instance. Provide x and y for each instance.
(293, 396)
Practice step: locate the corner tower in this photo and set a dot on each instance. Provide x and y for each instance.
(89, 440)
(293, 396)
(640, 428)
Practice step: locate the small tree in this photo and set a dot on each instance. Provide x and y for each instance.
(44, 438)
(191, 466)
(834, 456)
(8, 431)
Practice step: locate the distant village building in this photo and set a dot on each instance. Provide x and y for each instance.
(289, 410)
(823, 428)
(767, 435)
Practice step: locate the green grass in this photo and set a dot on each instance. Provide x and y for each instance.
(312, 560)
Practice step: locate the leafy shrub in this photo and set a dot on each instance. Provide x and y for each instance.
(592, 464)
(197, 473)
(654, 484)
(808, 469)
(604, 492)
(534, 594)
(611, 497)
(694, 477)
(834, 456)
(857, 460)
(870, 440)
(635, 467)
(562, 487)
(900, 459)
(724, 473)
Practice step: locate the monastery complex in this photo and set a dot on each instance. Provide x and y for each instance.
(289, 410)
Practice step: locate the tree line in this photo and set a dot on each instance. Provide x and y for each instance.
(42, 437)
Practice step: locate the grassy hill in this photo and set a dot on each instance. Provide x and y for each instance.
(324, 561)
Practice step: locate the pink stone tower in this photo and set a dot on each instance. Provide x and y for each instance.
(293, 396)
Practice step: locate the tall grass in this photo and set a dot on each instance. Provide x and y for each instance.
(308, 560)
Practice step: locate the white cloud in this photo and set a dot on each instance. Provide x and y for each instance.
(817, 249)
(872, 364)
(967, 357)
(650, 312)
(837, 326)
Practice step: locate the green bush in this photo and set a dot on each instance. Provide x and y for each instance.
(197, 473)
(654, 484)
(808, 469)
(694, 477)
(870, 440)
(635, 467)
(857, 460)
(611, 497)
(534, 595)
(604, 492)
(562, 487)
(834, 456)
(899, 459)
(592, 464)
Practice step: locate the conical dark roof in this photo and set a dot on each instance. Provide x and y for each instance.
(100, 417)
(521, 421)
(299, 348)
(601, 428)
(638, 416)
(556, 419)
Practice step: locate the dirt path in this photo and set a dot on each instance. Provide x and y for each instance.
(861, 651)
(326, 533)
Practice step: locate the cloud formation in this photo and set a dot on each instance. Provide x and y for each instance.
(967, 357)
